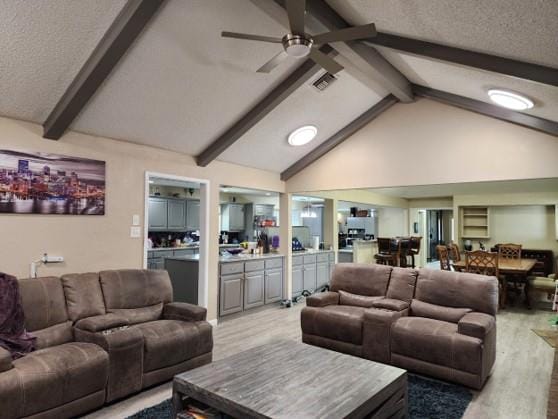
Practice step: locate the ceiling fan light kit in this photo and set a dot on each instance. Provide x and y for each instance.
(299, 44)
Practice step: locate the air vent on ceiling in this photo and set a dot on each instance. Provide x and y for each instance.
(323, 82)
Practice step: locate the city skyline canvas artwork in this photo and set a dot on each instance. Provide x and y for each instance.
(44, 183)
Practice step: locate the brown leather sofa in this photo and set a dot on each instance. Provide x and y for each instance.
(100, 337)
(432, 322)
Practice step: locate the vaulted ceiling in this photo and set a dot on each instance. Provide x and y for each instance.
(181, 86)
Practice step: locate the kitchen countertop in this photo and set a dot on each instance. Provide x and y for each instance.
(346, 250)
(227, 259)
(155, 249)
(310, 252)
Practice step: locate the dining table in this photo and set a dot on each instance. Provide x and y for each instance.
(516, 267)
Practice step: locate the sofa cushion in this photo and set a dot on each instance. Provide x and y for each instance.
(348, 299)
(437, 342)
(391, 304)
(43, 302)
(135, 288)
(84, 297)
(402, 284)
(53, 376)
(169, 342)
(338, 322)
(458, 289)
(141, 314)
(361, 278)
(53, 335)
(433, 311)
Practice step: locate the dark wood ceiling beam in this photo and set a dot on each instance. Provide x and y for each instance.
(340, 136)
(297, 78)
(493, 63)
(525, 120)
(120, 36)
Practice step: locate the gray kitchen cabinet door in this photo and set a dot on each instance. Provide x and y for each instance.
(192, 215)
(273, 285)
(322, 274)
(253, 289)
(157, 214)
(331, 269)
(176, 214)
(232, 294)
(309, 277)
(298, 282)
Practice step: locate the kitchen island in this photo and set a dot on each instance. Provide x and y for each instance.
(245, 281)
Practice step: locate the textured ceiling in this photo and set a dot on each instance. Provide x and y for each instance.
(448, 190)
(182, 85)
(520, 29)
(473, 83)
(43, 44)
(265, 145)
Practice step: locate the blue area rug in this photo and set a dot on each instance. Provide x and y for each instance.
(428, 399)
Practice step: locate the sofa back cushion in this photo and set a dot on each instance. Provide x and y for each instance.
(402, 284)
(457, 289)
(361, 278)
(433, 311)
(136, 294)
(45, 311)
(84, 297)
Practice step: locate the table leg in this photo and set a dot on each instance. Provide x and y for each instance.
(504, 296)
(177, 405)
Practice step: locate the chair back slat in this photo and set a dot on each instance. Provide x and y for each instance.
(443, 257)
(509, 251)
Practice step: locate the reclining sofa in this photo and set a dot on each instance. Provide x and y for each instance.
(100, 337)
(436, 323)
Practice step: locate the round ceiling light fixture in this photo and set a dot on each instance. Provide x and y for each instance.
(302, 135)
(510, 100)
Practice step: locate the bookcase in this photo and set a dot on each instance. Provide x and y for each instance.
(475, 222)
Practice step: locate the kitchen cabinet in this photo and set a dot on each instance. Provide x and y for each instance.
(331, 264)
(309, 277)
(232, 217)
(253, 289)
(322, 269)
(311, 271)
(273, 285)
(176, 214)
(368, 224)
(192, 215)
(231, 294)
(157, 213)
(297, 276)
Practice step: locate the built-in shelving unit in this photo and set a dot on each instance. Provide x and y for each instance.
(475, 222)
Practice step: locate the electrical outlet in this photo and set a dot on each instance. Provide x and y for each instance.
(135, 232)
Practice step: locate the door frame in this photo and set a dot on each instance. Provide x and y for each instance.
(205, 187)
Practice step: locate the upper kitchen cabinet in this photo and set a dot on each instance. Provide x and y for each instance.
(192, 215)
(158, 213)
(232, 217)
(176, 211)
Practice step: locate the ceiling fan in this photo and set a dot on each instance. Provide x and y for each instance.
(299, 44)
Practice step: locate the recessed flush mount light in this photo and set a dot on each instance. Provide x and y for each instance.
(510, 100)
(302, 135)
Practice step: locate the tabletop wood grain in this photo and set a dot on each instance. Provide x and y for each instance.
(517, 266)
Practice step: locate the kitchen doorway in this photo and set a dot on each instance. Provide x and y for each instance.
(176, 225)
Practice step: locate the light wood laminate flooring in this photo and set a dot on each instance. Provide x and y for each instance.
(517, 389)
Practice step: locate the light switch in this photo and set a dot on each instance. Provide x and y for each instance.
(135, 220)
(135, 232)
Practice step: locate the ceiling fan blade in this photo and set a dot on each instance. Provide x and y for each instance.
(329, 64)
(347, 34)
(274, 62)
(295, 11)
(237, 35)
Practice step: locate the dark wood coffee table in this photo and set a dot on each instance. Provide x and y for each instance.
(287, 379)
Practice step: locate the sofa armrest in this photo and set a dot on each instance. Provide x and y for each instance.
(376, 333)
(323, 299)
(391, 304)
(184, 311)
(5, 360)
(102, 322)
(476, 325)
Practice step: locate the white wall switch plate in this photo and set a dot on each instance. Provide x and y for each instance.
(135, 220)
(135, 232)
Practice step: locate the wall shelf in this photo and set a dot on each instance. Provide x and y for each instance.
(475, 222)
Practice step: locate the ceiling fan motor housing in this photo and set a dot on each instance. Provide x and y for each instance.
(297, 45)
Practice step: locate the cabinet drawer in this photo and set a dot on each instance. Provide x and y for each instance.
(274, 263)
(232, 268)
(255, 265)
(297, 260)
(309, 259)
(322, 257)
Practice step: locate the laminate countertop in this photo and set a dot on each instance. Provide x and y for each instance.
(310, 252)
(228, 259)
(155, 249)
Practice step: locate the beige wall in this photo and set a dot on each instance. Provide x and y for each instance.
(426, 143)
(392, 222)
(92, 243)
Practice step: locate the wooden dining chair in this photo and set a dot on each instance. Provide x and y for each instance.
(511, 251)
(486, 263)
(443, 257)
(414, 248)
(454, 255)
